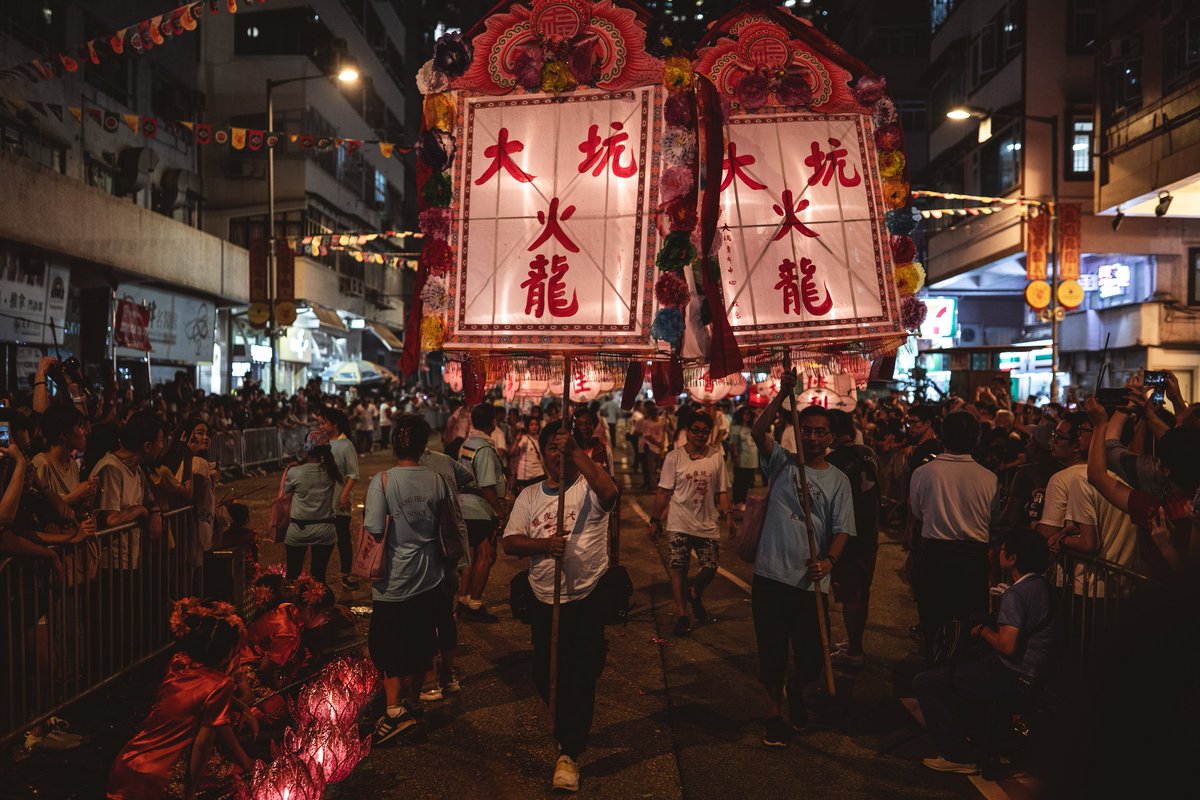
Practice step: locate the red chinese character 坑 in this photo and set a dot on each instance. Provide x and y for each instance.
(553, 228)
(544, 289)
(599, 152)
(824, 165)
(733, 168)
(790, 220)
(499, 153)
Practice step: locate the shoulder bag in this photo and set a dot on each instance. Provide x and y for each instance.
(370, 561)
(281, 511)
(452, 528)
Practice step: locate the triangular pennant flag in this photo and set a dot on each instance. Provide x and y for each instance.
(18, 105)
(272, 139)
(91, 50)
(214, 6)
(221, 136)
(44, 69)
(254, 139)
(69, 64)
(324, 143)
(203, 133)
(117, 41)
(232, 6)
(307, 142)
(56, 110)
(237, 138)
(77, 113)
(132, 121)
(155, 29)
(386, 148)
(96, 116)
(38, 107)
(149, 127)
(293, 137)
(111, 122)
(352, 145)
(137, 41)
(188, 17)
(191, 126)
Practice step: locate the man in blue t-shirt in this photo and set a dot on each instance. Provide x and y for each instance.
(783, 599)
(1021, 643)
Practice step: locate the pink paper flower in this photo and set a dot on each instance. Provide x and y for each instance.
(435, 223)
(889, 137)
(528, 67)
(793, 89)
(671, 290)
(869, 91)
(912, 313)
(675, 182)
(584, 61)
(752, 91)
(679, 110)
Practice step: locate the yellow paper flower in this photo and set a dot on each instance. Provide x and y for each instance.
(895, 192)
(891, 164)
(557, 77)
(438, 112)
(677, 74)
(433, 334)
(910, 278)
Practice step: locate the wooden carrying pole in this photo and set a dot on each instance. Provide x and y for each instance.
(806, 503)
(562, 531)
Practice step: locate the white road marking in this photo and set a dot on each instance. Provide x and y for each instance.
(724, 573)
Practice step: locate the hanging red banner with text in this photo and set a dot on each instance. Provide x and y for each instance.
(1068, 237)
(132, 327)
(1037, 235)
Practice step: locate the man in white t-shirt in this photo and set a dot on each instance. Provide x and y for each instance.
(1069, 446)
(693, 484)
(532, 531)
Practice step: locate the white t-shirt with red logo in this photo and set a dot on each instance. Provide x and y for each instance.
(694, 484)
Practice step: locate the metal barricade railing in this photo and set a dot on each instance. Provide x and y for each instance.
(225, 447)
(67, 633)
(291, 441)
(1094, 598)
(261, 446)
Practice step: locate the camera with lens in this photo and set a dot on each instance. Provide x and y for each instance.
(68, 375)
(1156, 379)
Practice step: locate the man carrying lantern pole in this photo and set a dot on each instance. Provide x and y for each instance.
(561, 523)
(788, 604)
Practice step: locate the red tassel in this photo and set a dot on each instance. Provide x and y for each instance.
(635, 376)
(660, 383)
(410, 358)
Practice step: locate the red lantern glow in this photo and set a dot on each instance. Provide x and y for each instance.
(287, 777)
(329, 752)
(322, 701)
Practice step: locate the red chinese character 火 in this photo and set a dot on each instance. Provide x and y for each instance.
(799, 292)
(499, 153)
(825, 164)
(537, 289)
(733, 168)
(599, 152)
(553, 228)
(790, 220)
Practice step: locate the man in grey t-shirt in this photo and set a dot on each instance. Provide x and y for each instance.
(337, 426)
(483, 509)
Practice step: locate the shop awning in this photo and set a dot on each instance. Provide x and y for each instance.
(329, 318)
(385, 334)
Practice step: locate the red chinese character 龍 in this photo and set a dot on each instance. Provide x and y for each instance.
(541, 287)
(599, 152)
(825, 164)
(733, 168)
(499, 153)
(790, 220)
(553, 228)
(799, 292)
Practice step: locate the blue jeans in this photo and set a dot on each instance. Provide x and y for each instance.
(944, 693)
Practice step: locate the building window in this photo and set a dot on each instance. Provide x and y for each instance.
(939, 12)
(283, 32)
(1081, 26)
(912, 115)
(1079, 158)
(998, 162)
(28, 143)
(1194, 276)
(1181, 49)
(1122, 60)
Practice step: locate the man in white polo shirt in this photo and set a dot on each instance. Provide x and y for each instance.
(951, 498)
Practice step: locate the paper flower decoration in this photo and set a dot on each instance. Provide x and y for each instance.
(430, 80)
(895, 192)
(557, 77)
(677, 74)
(891, 164)
(676, 252)
(752, 91)
(679, 146)
(433, 334)
(452, 54)
(584, 60)
(528, 67)
(793, 89)
(434, 295)
(671, 290)
(679, 110)
(437, 111)
(437, 256)
(902, 221)
(675, 182)
(889, 137)
(869, 91)
(661, 38)
(668, 326)
(912, 313)
(435, 222)
(436, 191)
(910, 278)
(680, 214)
(885, 113)
(436, 148)
(903, 249)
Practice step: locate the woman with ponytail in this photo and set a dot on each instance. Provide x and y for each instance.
(313, 486)
(194, 710)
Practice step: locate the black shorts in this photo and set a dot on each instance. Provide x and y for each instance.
(853, 572)
(402, 637)
(480, 530)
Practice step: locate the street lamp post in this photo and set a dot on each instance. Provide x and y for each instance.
(963, 113)
(345, 75)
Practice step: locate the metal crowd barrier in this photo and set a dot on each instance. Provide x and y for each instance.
(237, 451)
(63, 637)
(261, 446)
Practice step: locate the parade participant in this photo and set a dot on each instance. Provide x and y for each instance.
(951, 499)
(527, 456)
(532, 531)
(193, 710)
(586, 426)
(336, 426)
(745, 456)
(312, 486)
(271, 652)
(693, 484)
(854, 571)
(783, 602)
(652, 436)
(407, 603)
(1021, 645)
(483, 510)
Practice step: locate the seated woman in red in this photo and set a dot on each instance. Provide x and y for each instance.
(273, 652)
(194, 709)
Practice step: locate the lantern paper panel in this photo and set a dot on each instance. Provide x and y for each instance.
(554, 246)
(452, 375)
(805, 255)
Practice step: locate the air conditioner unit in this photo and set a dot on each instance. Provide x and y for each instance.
(350, 287)
(135, 165)
(970, 334)
(176, 185)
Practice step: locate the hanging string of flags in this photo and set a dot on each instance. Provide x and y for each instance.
(204, 133)
(1005, 201)
(323, 244)
(145, 35)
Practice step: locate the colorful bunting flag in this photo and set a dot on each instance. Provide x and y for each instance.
(77, 113)
(221, 136)
(149, 127)
(132, 121)
(386, 148)
(117, 41)
(254, 139)
(237, 138)
(203, 133)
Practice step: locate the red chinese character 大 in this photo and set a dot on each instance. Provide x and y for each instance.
(500, 155)
(802, 292)
(733, 169)
(824, 165)
(544, 289)
(553, 228)
(599, 153)
(790, 220)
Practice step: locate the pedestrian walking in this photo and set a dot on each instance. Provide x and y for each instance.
(532, 531)
(745, 456)
(313, 487)
(336, 426)
(483, 510)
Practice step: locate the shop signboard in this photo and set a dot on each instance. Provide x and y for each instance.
(132, 323)
(942, 319)
(1037, 234)
(1068, 238)
(33, 294)
(180, 328)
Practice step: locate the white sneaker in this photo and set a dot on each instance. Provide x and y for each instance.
(940, 764)
(56, 739)
(432, 694)
(566, 775)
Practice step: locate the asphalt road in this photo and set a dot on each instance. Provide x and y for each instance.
(675, 717)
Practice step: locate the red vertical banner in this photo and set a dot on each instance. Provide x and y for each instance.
(133, 326)
(1068, 241)
(1037, 234)
(285, 271)
(258, 271)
